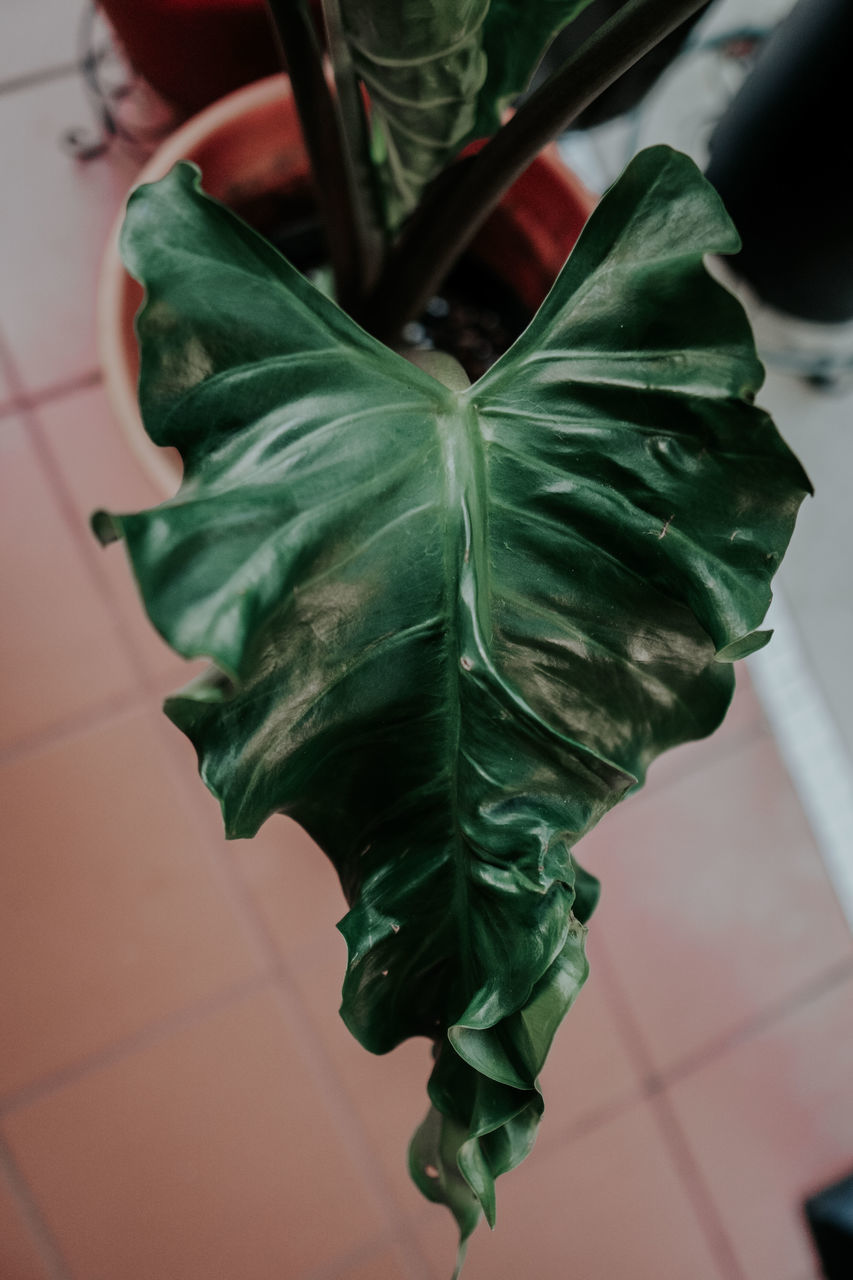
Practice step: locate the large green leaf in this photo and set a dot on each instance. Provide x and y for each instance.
(451, 627)
(439, 73)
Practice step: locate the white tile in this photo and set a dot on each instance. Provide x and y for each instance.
(37, 34)
(55, 216)
(817, 576)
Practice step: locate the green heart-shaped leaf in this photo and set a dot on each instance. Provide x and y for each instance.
(452, 626)
(439, 73)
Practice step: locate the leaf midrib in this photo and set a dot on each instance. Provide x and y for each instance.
(464, 482)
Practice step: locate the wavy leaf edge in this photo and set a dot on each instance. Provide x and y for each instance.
(441, 1146)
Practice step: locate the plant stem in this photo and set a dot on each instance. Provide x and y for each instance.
(326, 144)
(369, 232)
(451, 213)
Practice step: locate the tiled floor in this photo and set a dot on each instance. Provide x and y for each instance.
(178, 1098)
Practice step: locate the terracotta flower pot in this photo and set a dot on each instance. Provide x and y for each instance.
(249, 146)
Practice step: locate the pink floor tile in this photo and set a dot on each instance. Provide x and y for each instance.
(770, 1122)
(387, 1093)
(387, 1264)
(589, 1070)
(60, 651)
(99, 470)
(288, 884)
(20, 1255)
(293, 885)
(715, 904)
(210, 1153)
(744, 721)
(610, 1204)
(96, 461)
(112, 913)
(55, 217)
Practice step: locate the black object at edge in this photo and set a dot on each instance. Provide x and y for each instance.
(781, 160)
(829, 1214)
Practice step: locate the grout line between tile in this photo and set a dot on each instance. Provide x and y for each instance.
(31, 79)
(56, 390)
(97, 716)
(693, 1179)
(10, 373)
(84, 542)
(172, 1024)
(347, 1123)
(691, 1175)
(26, 406)
(49, 1251)
(364, 1252)
(590, 1122)
(22, 397)
(207, 820)
(835, 976)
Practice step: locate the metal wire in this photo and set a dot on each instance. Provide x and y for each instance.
(98, 54)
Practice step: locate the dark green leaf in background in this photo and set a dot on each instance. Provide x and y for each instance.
(515, 37)
(439, 73)
(452, 628)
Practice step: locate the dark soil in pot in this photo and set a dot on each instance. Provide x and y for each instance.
(476, 317)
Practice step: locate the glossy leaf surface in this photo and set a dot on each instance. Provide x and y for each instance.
(439, 73)
(452, 627)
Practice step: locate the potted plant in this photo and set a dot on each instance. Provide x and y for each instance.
(451, 623)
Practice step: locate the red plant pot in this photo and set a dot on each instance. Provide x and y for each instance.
(193, 52)
(248, 146)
